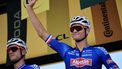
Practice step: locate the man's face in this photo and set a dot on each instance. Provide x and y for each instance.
(15, 52)
(77, 31)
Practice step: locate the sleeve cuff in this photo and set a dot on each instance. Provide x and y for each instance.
(49, 38)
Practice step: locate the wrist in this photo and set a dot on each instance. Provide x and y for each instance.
(29, 8)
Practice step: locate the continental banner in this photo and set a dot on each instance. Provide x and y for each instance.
(107, 26)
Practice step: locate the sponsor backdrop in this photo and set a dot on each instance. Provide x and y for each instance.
(104, 16)
(106, 22)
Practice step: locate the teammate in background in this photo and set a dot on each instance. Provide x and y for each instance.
(16, 50)
(83, 56)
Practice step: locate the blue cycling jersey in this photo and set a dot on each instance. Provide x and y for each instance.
(90, 57)
(25, 66)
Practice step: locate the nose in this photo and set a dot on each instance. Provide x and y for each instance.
(74, 30)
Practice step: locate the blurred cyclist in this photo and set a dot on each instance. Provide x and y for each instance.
(16, 50)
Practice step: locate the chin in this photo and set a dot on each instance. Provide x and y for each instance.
(76, 39)
(13, 59)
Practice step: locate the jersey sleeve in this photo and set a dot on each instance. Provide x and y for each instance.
(59, 47)
(106, 59)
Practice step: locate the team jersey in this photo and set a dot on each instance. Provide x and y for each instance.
(25, 66)
(89, 58)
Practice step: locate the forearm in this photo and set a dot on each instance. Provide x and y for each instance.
(41, 31)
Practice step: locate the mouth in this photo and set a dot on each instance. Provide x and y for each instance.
(76, 33)
(11, 54)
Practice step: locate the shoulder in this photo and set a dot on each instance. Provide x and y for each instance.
(33, 66)
(101, 50)
(56, 42)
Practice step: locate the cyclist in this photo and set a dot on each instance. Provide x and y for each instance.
(83, 56)
(16, 50)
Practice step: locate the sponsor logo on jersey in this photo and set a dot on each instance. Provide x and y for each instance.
(74, 52)
(87, 53)
(80, 62)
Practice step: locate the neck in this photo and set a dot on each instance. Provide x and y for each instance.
(80, 45)
(19, 64)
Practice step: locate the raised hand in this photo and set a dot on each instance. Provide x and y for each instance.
(30, 3)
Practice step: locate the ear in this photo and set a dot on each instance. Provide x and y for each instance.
(23, 52)
(87, 30)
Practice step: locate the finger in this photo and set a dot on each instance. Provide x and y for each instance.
(33, 1)
(29, 1)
